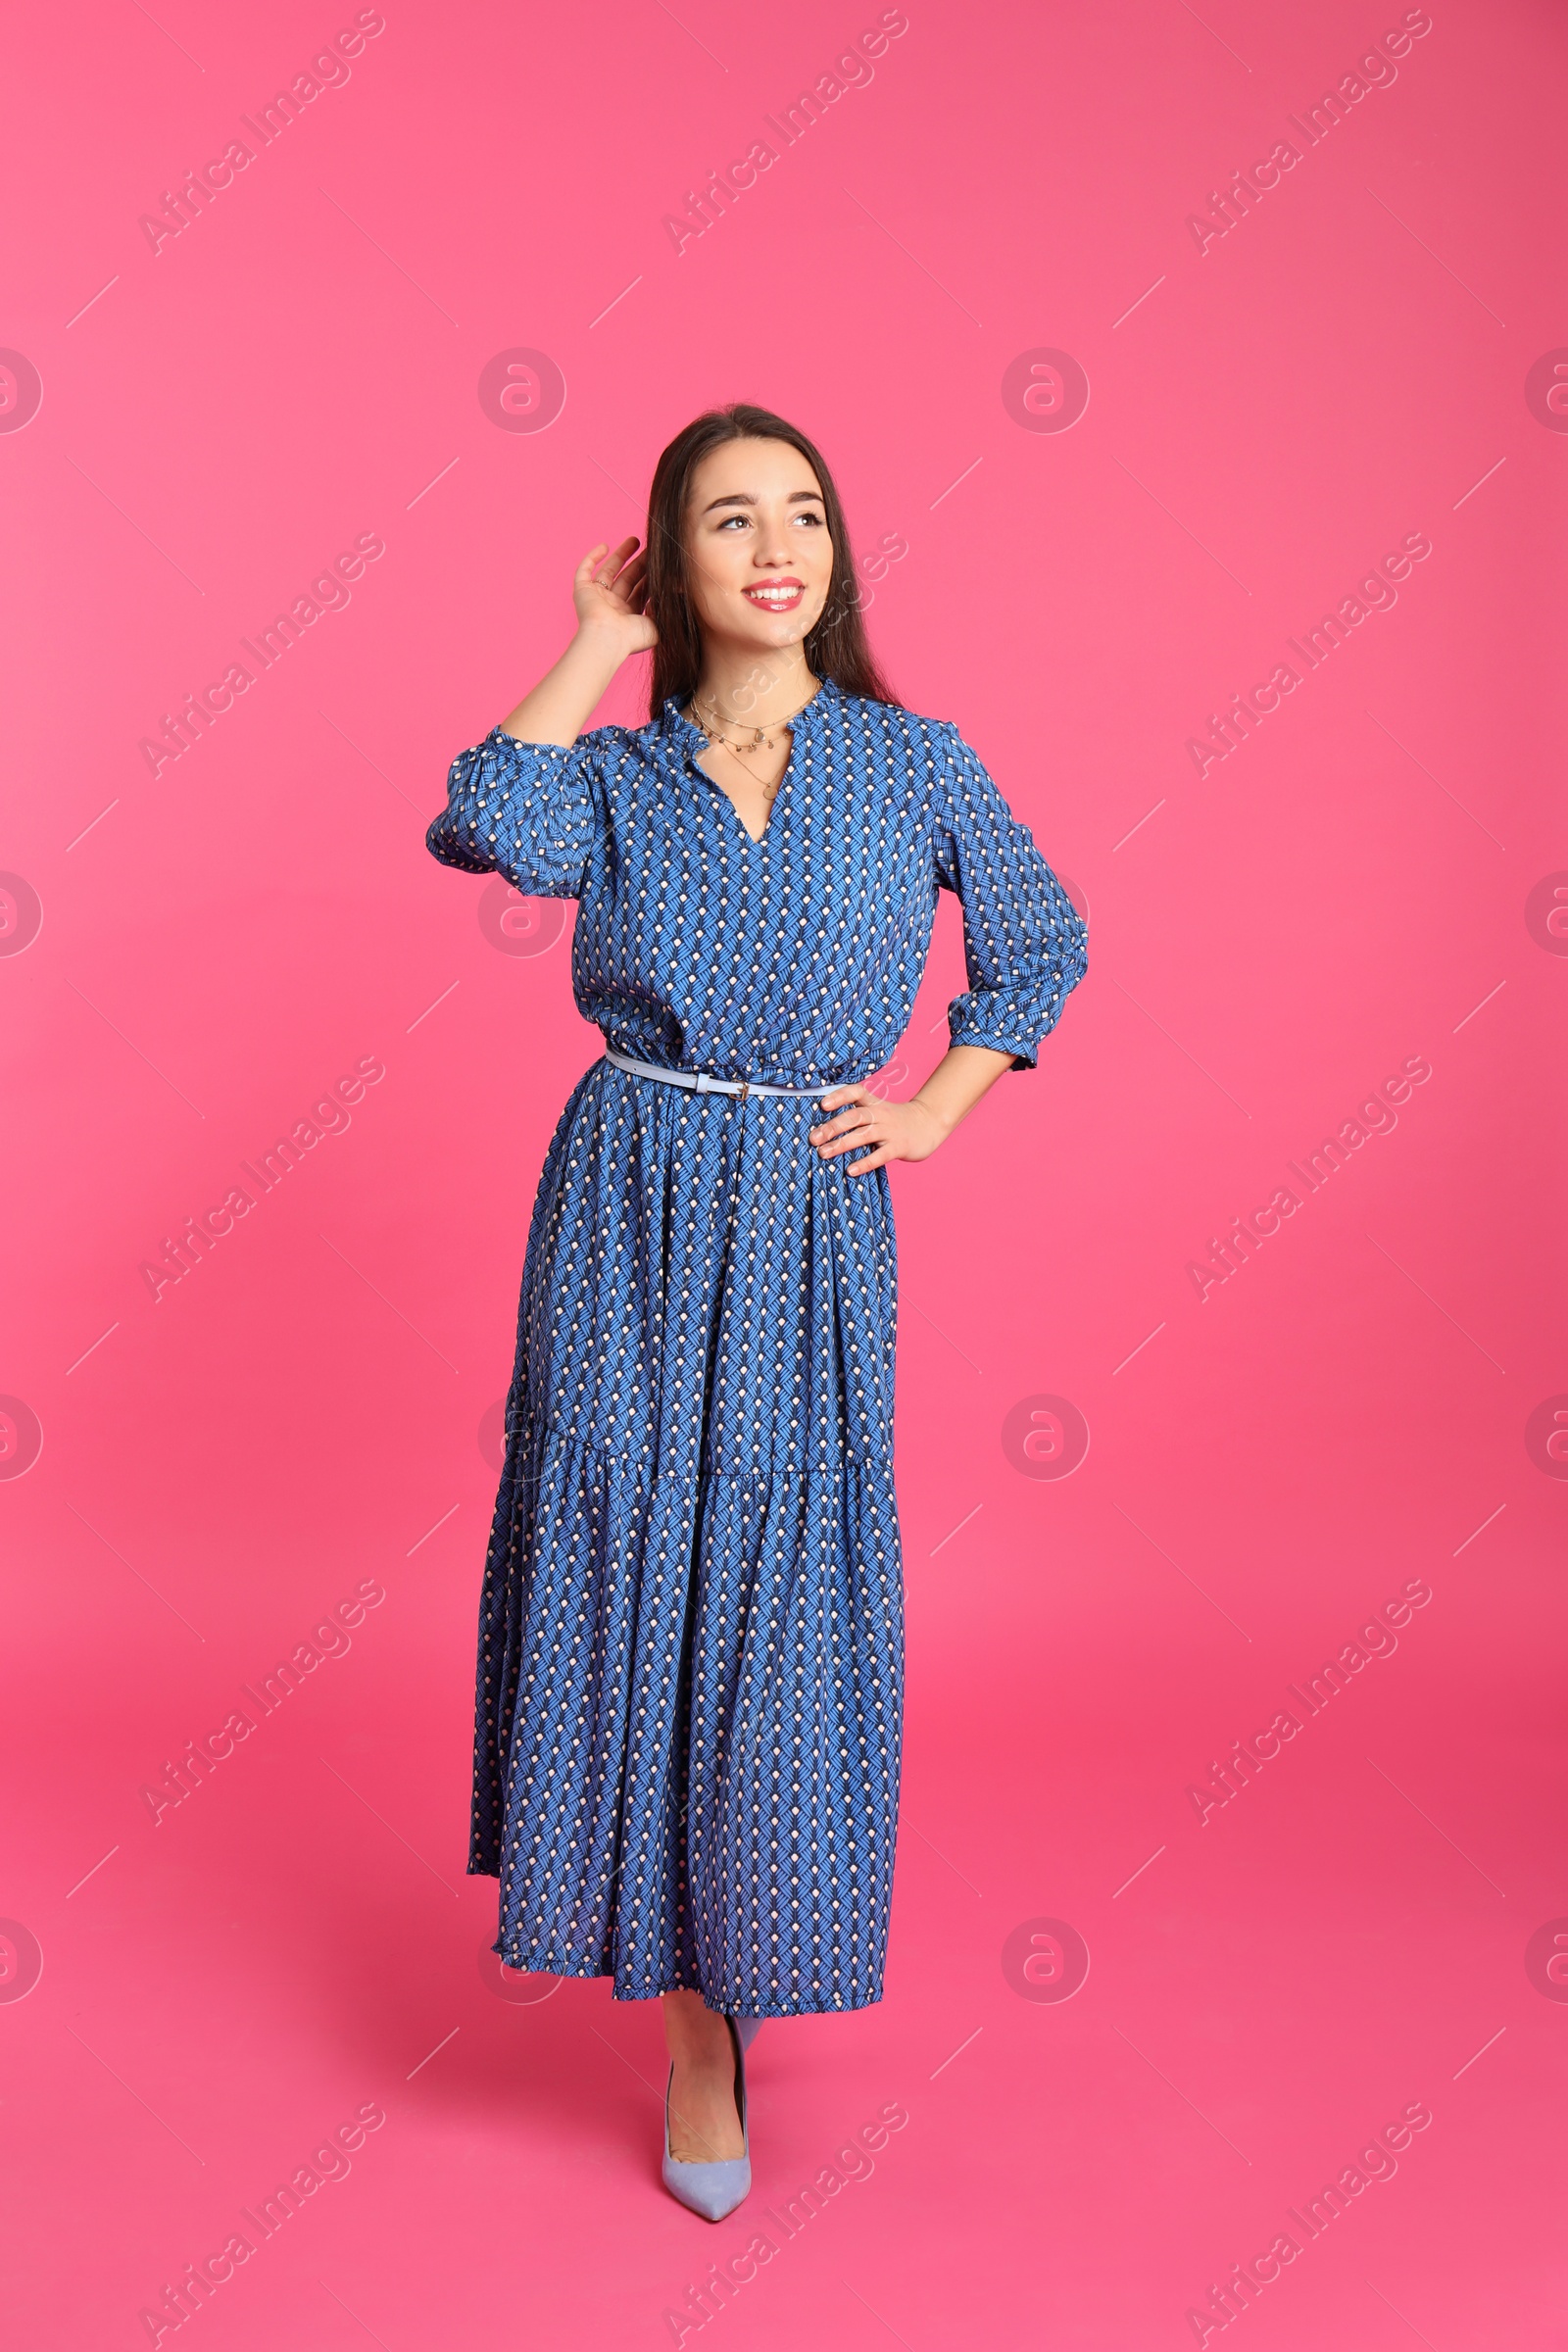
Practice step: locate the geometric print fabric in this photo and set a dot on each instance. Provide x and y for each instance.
(689, 1692)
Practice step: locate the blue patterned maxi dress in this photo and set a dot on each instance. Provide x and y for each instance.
(691, 1639)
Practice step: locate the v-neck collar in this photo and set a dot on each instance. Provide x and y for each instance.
(689, 740)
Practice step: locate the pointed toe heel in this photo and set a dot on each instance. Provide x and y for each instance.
(713, 2190)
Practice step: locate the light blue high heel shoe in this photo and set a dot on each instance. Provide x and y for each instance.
(715, 2190)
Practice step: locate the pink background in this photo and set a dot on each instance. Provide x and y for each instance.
(1368, 1924)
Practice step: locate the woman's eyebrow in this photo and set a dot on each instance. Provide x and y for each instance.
(747, 498)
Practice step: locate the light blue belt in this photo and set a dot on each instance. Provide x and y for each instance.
(698, 1082)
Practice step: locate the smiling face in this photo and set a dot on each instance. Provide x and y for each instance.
(759, 559)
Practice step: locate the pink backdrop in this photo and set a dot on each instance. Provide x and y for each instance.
(1117, 429)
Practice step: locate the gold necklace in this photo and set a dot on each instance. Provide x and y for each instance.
(762, 740)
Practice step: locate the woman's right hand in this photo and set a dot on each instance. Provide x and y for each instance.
(611, 593)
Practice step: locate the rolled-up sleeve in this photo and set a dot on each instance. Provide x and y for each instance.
(1024, 943)
(528, 810)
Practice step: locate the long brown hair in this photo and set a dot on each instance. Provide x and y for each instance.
(837, 646)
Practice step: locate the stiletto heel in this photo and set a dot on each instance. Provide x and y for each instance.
(715, 2190)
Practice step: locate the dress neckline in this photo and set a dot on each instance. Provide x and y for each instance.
(775, 807)
(691, 740)
(677, 725)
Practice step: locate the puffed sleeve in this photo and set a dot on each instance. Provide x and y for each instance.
(1023, 941)
(528, 810)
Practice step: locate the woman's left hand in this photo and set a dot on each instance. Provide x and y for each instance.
(880, 1131)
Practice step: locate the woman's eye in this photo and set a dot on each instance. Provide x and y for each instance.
(743, 523)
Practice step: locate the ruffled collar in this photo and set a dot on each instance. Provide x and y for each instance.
(679, 729)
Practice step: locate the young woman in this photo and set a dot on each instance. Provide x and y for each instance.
(691, 1654)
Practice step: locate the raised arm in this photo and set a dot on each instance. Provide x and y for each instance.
(524, 802)
(609, 591)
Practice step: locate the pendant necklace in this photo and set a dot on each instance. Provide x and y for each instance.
(761, 741)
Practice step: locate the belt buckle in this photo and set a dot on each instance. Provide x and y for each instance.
(742, 1090)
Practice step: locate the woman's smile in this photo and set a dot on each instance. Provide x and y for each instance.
(775, 596)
